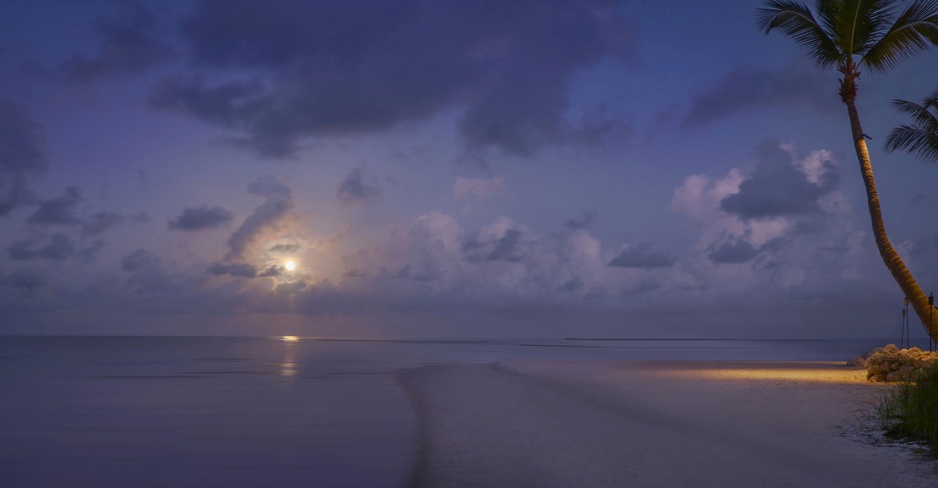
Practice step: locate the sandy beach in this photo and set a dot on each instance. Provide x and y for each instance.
(652, 424)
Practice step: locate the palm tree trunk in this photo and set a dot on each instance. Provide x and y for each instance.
(899, 271)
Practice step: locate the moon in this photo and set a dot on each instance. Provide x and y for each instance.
(290, 265)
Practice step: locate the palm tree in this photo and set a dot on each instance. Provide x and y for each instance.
(921, 137)
(847, 35)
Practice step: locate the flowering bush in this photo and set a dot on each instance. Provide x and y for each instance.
(890, 363)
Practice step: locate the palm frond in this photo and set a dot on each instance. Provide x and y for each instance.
(856, 25)
(914, 140)
(921, 136)
(920, 114)
(932, 100)
(915, 30)
(795, 20)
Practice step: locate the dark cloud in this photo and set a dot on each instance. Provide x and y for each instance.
(407, 272)
(642, 256)
(506, 247)
(285, 248)
(22, 155)
(272, 271)
(777, 187)
(354, 189)
(640, 287)
(221, 104)
(59, 248)
(100, 222)
(733, 252)
(61, 211)
(140, 260)
(745, 88)
(584, 220)
(199, 218)
(26, 279)
(598, 128)
(242, 270)
(361, 66)
(278, 201)
(129, 46)
(89, 253)
(571, 286)
(147, 274)
(58, 211)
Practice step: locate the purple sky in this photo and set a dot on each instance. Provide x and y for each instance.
(435, 169)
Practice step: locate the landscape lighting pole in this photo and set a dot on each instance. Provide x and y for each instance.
(906, 339)
(931, 307)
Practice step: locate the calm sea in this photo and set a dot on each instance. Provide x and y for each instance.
(259, 412)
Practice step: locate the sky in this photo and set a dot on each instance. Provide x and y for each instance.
(434, 169)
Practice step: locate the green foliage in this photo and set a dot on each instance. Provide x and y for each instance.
(921, 136)
(876, 32)
(910, 411)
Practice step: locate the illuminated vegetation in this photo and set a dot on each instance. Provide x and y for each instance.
(910, 411)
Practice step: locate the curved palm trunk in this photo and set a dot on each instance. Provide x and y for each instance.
(898, 269)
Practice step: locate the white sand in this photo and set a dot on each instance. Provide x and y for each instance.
(678, 424)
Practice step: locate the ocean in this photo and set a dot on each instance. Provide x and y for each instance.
(124, 412)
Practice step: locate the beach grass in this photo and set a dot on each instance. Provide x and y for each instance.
(910, 411)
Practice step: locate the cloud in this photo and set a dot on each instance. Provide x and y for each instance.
(407, 273)
(61, 211)
(641, 256)
(285, 248)
(508, 65)
(22, 154)
(242, 270)
(586, 218)
(744, 88)
(28, 280)
(506, 247)
(59, 248)
(129, 47)
(599, 128)
(503, 262)
(498, 245)
(278, 200)
(89, 253)
(477, 187)
(199, 218)
(100, 222)
(147, 274)
(355, 190)
(58, 211)
(798, 251)
(140, 259)
(220, 104)
(733, 252)
(782, 185)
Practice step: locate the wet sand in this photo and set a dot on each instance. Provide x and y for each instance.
(652, 424)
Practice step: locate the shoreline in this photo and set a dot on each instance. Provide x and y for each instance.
(650, 423)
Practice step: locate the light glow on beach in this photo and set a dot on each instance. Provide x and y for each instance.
(290, 339)
(813, 372)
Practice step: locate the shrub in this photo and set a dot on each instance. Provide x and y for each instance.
(910, 411)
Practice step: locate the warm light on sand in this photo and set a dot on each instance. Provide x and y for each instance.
(290, 265)
(814, 372)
